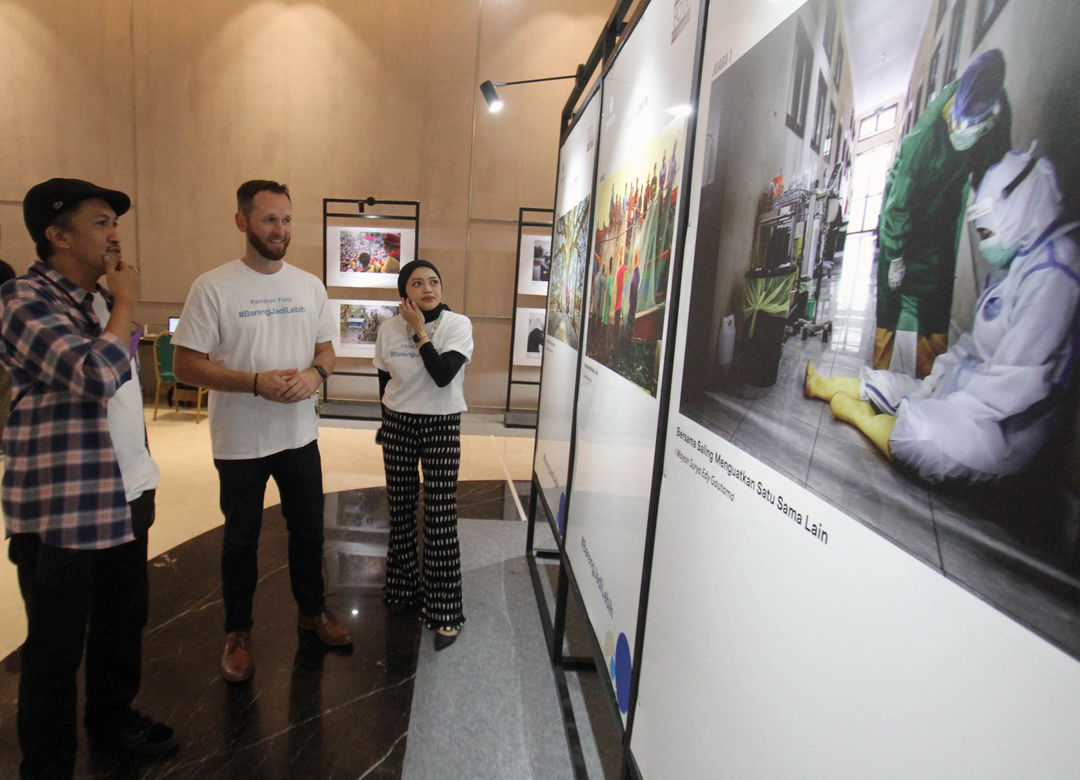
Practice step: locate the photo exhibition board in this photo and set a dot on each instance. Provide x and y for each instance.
(639, 169)
(528, 336)
(358, 324)
(362, 256)
(534, 263)
(817, 609)
(569, 259)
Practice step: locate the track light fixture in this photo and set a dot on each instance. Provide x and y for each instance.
(487, 89)
(491, 97)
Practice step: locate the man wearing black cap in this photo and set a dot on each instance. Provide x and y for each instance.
(79, 483)
(257, 332)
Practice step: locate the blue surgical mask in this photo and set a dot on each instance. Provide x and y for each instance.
(995, 254)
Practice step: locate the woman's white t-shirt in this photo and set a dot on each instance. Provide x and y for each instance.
(411, 388)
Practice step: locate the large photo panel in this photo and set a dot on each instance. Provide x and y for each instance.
(566, 291)
(869, 520)
(640, 167)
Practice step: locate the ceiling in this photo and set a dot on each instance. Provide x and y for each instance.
(882, 39)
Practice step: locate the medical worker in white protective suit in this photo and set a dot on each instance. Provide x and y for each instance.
(994, 398)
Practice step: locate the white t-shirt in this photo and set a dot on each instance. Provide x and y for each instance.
(411, 388)
(249, 321)
(127, 429)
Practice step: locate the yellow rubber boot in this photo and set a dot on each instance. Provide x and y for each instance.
(825, 387)
(876, 427)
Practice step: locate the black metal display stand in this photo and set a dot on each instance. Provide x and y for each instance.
(522, 418)
(554, 618)
(554, 611)
(404, 213)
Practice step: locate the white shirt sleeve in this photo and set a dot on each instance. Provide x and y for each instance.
(456, 336)
(199, 328)
(327, 327)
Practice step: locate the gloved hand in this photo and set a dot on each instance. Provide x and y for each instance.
(378, 436)
(896, 273)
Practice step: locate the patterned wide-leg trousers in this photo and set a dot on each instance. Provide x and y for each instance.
(434, 441)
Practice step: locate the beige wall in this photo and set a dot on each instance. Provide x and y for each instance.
(177, 103)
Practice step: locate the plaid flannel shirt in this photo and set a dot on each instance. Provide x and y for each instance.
(61, 476)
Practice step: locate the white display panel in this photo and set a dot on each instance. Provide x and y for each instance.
(771, 652)
(639, 172)
(570, 256)
(814, 610)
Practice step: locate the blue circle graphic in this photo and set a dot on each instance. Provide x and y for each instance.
(622, 673)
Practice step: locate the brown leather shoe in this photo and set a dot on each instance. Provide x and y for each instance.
(236, 663)
(327, 628)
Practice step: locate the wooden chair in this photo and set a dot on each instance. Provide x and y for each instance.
(163, 369)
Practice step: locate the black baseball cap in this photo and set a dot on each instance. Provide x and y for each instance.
(46, 201)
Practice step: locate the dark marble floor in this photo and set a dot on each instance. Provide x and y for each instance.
(310, 711)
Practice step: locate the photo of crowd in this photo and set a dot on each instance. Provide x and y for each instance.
(367, 251)
(635, 224)
(567, 281)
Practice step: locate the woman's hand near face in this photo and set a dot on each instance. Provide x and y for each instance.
(412, 314)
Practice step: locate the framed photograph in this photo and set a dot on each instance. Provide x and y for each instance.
(529, 337)
(358, 323)
(534, 264)
(367, 256)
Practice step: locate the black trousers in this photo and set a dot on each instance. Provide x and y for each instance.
(298, 474)
(96, 598)
(435, 442)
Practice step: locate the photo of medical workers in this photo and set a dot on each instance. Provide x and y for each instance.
(884, 283)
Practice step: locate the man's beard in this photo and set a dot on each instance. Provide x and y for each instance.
(275, 252)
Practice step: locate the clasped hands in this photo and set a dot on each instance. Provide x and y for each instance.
(288, 385)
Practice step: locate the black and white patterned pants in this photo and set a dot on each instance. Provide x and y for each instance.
(435, 442)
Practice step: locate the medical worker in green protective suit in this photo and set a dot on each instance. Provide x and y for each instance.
(961, 133)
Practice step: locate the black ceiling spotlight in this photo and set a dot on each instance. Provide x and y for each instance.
(487, 89)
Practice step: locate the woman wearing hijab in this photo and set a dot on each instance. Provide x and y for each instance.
(420, 354)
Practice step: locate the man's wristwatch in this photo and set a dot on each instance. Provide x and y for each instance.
(322, 371)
